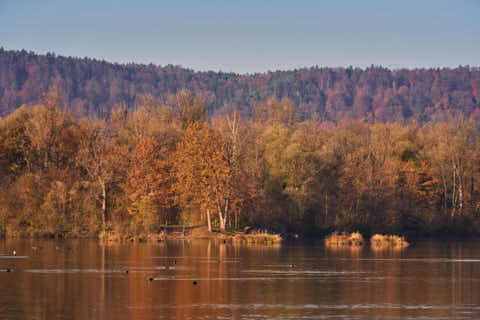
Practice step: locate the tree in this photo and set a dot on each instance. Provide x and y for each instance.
(236, 139)
(16, 142)
(51, 132)
(275, 111)
(190, 108)
(102, 159)
(150, 118)
(204, 177)
(148, 181)
(454, 159)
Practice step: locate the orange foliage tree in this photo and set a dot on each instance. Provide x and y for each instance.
(204, 176)
(148, 183)
(102, 159)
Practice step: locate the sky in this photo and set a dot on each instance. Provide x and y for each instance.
(249, 36)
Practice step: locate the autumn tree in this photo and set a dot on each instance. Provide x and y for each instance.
(190, 108)
(16, 141)
(312, 170)
(204, 178)
(51, 130)
(275, 111)
(301, 173)
(149, 118)
(102, 159)
(238, 146)
(148, 183)
(453, 153)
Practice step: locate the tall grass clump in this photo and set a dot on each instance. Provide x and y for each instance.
(337, 239)
(380, 241)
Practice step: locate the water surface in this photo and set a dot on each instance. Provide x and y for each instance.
(82, 279)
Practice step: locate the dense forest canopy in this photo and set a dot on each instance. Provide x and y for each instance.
(90, 87)
(165, 162)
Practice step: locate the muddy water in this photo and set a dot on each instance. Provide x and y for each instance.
(83, 279)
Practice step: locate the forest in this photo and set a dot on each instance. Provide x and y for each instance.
(93, 88)
(169, 161)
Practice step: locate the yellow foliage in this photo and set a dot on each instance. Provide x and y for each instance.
(380, 241)
(337, 239)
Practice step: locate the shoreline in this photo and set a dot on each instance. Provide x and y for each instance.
(256, 237)
(190, 233)
(232, 238)
(202, 233)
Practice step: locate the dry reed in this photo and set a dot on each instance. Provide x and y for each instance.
(258, 237)
(336, 239)
(380, 241)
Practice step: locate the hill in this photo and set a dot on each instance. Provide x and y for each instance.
(92, 87)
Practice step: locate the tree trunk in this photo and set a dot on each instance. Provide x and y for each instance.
(454, 186)
(104, 202)
(236, 220)
(222, 220)
(209, 221)
(227, 205)
(223, 214)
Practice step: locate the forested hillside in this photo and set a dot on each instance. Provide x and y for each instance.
(87, 146)
(93, 88)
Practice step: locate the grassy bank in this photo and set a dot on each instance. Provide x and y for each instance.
(355, 239)
(192, 233)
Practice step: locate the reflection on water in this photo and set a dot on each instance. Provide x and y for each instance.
(82, 279)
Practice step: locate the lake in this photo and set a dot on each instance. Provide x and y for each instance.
(202, 279)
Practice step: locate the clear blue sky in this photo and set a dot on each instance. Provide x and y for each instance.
(249, 35)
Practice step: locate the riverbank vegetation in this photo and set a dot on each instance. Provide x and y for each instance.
(382, 241)
(166, 162)
(341, 239)
(355, 239)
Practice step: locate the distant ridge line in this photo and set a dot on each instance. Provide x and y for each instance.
(92, 87)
